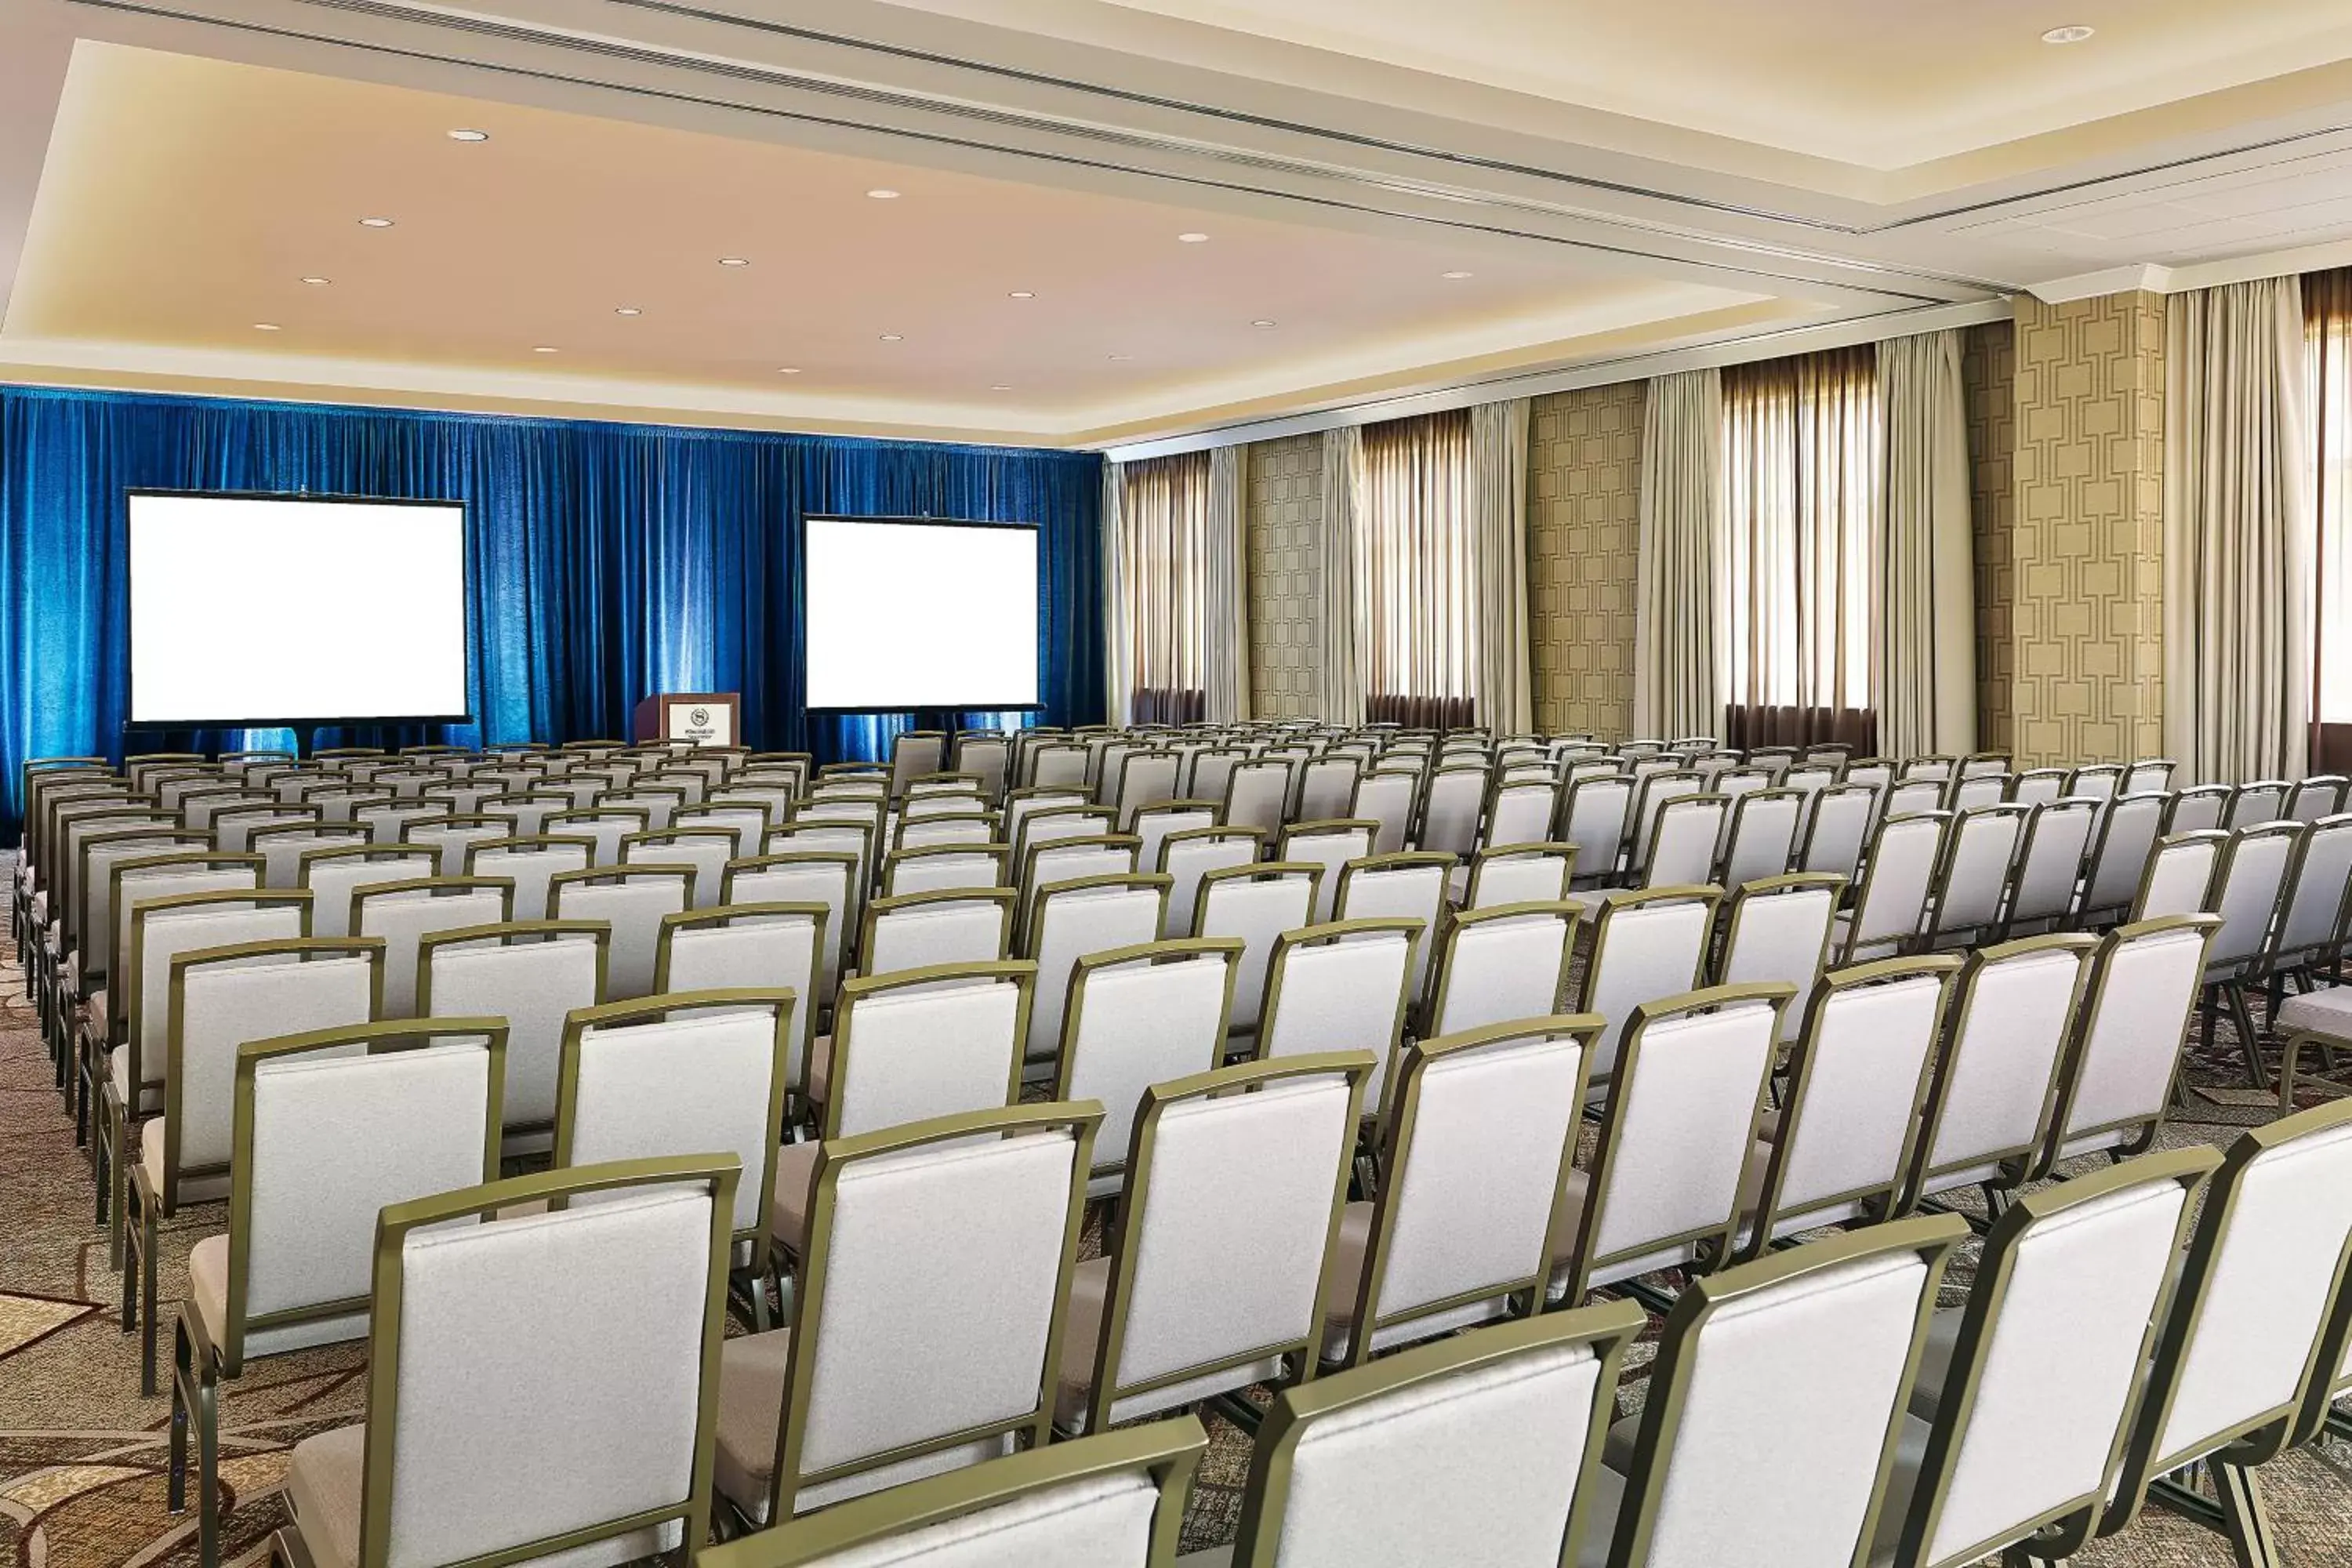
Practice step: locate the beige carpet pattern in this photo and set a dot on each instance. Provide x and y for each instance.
(82, 1455)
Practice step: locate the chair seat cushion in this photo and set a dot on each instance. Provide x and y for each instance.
(820, 1067)
(2326, 1012)
(1343, 1282)
(322, 1493)
(99, 1014)
(1081, 1338)
(751, 1403)
(118, 1077)
(789, 1204)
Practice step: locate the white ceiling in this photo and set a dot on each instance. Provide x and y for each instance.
(1618, 182)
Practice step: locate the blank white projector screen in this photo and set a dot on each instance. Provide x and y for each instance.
(254, 609)
(921, 614)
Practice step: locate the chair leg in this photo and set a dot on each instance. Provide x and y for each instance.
(2243, 1518)
(2242, 1016)
(146, 1241)
(175, 1476)
(207, 1392)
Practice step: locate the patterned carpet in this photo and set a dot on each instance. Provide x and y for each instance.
(82, 1455)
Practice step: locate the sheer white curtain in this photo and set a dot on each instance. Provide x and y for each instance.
(2237, 538)
(1158, 577)
(1227, 592)
(1417, 563)
(1927, 582)
(1679, 679)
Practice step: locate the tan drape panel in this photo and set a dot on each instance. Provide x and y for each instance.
(1161, 639)
(2327, 342)
(1227, 627)
(1506, 682)
(1800, 478)
(1416, 521)
(1678, 669)
(2237, 532)
(1118, 676)
(1926, 698)
(1345, 632)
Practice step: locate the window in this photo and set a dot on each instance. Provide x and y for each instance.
(1418, 571)
(2328, 335)
(1164, 576)
(1801, 454)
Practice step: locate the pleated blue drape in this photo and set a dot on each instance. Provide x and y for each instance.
(608, 561)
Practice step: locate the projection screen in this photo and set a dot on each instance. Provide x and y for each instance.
(266, 610)
(906, 614)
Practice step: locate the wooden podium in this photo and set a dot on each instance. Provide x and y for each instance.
(699, 718)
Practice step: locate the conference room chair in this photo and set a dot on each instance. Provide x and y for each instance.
(531, 862)
(932, 1294)
(916, 930)
(1500, 965)
(1520, 811)
(2048, 877)
(1051, 823)
(1905, 796)
(292, 1270)
(614, 1427)
(2038, 786)
(1677, 839)
(165, 907)
(1837, 828)
(2012, 1438)
(922, 831)
(85, 968)
(913, 753)
(606, 825)
(2255, 803)
(631, 900)
(50, 915)
(906, 1047)
(1255, 902)
(1066, 921)
(198, 808)
(2149, 773)
(526, 812)
(773, 799)
(2248, 1330)
(985, 756)
(2308, 930)
(1972, 877)
(2316, 796)
(692, 780)
(172, 787)
(1057, 762)
(2194, 810)
(767, 946)
(1413, 885)
(220, 997)
(1467, 1214)
(1644, 947)
(1840, 1146)
(1212, 771)
(1257, 794)
(2118, 1077)
(1678, 1114)
(1386, 800)
(1140, 1016)
(450, 836)
(2118, 857)
(532, 975)
(1143, 778)
(233, 827)
(1111, 1502)
(1594, 814)
(858, 838)
(1453, 802)
(1341, 986)
(1330, 844)
(826, 877)
(403, 912)
(1969, 791)
(345, 802)
(705, 852)
(2248, 887)
(1515, 874)
(1022, 802)
(2180, 875)
(691, 1073)
(1778, 928)
(1805, 1356)
(1989, 1109)
(464, 796)
(1154, 825)
(388, 822)
(657, 801)
(2094, 781)
(1651, 794)
(1759, 837)
(747, 821)
(1890, 902)
(937, 868)
(1205, 1286)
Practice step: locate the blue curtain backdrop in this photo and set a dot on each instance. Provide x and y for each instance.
(608, 562)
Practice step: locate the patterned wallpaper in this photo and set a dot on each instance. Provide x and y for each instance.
(1989, 371)
(1286, 576)
(1584, 497)
(2087, 559)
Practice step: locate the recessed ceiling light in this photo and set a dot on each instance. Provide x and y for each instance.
(788, 369)
(1456, 275)
(1025, 293)
(2072, 33)
(893, 337)
(1194, 238)
(545, 349)
(734, 261)
(884, 196)
(375, 223)
(1261, 321)
(626, 311)
(318, 282)
(265, 326)
(1002, 386)
(1122, 356)
(469, 136)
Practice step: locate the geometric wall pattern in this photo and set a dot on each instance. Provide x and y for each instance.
(1284, 521)
(1989, 374)
(1584, 507)
(2087, 612)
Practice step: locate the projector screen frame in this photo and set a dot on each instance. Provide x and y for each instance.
(343, 722)
(1036, 530)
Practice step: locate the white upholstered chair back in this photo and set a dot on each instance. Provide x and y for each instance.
(403, 912)
(1778, 929)
(915, 930)
(2312, 914)
(2180, 875)
(336, 877)
(1187, 857)
(803, 877)
(1330, 845)
(2148, 773)
(1892, 901)
(1593, 818)
(453, 838)
(161, 929)
(1139, 1017)
(2120, 853)
(1980, 852)
(2319, 795)
(703, 850)
(1325, 785)
(1386, 799)
(531, 864)
(1966, 793)
(1340, 987)
(942, 867)
(1154, 824)
(925, 1043)
(1837, 828)
(1992, 1097)
(1760, 837)
(2116, 1081)
(532, 974)
(101, 926)
(634, 901)
(1070, 919)
(1644, 949)
(2037, 786)
(1257, 903)
(1257, 794)
(1451, 807)
(1520, 812)
(2198, 809)
(1502, 965)
(2260, 801)
(1411, 886)
(1519, 874)
(2249, 885)
(2050, 861)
